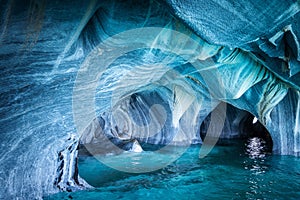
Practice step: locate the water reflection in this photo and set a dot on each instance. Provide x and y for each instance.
(255, 163)
(231, 171)
(256, 148)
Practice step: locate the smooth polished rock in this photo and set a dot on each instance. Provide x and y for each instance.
(43, 44)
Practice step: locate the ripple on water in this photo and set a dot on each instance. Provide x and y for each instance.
(228, 172)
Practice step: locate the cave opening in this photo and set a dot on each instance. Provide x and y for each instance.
(244, 145)
(241, 127)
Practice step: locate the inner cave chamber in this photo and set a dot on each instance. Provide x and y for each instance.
(97, 75)
(237, 124)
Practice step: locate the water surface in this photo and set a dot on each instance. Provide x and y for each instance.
(233, 170)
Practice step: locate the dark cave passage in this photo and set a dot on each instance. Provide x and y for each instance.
(241, 125)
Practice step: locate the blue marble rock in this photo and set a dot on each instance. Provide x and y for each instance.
(243, 53)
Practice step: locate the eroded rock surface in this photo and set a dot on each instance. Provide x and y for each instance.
(244, 53)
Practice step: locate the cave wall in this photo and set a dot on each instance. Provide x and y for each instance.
(270, 30)
(44, 43)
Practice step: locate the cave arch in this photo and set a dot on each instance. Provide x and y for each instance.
(242, 125)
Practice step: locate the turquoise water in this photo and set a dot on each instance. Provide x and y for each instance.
(233, 170)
